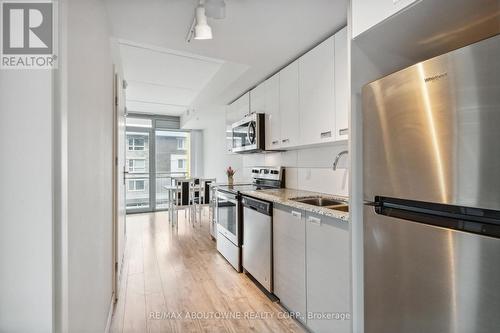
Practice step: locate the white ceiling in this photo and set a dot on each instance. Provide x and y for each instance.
(256, 38)
(164, 81)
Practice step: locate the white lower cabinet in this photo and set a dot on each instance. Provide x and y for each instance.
(311, 268)
(289, 236)
(327, 267)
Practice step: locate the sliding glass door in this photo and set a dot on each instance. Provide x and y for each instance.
(172, 157)
(154, 157)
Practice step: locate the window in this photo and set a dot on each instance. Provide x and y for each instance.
(181, 143)
(136, 143)
(136, 185)
(137, 165)
(178, 163)
(181, 164)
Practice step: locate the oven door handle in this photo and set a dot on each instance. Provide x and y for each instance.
(229, 198)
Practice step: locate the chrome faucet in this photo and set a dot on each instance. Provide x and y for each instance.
(339, 155)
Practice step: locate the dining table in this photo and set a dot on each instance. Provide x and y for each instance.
(172, 192)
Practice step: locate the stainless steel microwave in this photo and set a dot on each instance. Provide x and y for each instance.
(249, 134)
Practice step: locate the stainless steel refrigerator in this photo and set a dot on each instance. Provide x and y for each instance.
(431, 161)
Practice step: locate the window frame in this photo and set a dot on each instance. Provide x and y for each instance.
(181, 143)
(134, 146)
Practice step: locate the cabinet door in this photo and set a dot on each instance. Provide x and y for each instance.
(273, 122)
(341, 86)
(327, 251)
(368, 13)
(258, 98)
(289, 105)
(234, 112)
(316, 94)
(238, 109)
(289, 258)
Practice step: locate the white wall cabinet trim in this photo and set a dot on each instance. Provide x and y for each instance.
(341, 87)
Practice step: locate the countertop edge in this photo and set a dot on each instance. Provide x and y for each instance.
(260, 194)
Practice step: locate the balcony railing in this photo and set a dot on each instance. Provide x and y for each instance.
(138, 192)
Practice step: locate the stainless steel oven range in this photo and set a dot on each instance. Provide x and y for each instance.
(229, 211)
(228, 227)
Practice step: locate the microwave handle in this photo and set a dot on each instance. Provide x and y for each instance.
(251, 138)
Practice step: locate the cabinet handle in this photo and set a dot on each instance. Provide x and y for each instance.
(343, 131)
(285, 140)
(325, 135)
(314, 220)
(275, 142)
(296, 214)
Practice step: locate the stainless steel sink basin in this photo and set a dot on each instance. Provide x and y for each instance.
(318, 201)
(342, 208)
(324, 202)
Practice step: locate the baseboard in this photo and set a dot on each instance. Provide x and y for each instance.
(110, 315)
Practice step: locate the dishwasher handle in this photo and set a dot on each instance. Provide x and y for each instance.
(260, 206)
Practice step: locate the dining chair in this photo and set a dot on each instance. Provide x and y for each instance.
(204, 195)
(183, 198)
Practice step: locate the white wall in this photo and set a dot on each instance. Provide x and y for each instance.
(308, 168)
(215, 157)
(26, 201)
(90, 137)
(196, 153)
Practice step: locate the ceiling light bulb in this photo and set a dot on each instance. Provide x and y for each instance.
(202, 30)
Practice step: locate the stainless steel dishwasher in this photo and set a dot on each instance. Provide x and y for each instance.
(257, 241)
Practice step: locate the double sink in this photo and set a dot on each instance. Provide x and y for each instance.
(323, 202)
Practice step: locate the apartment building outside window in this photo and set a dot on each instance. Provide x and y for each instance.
(181, 143)
(136, 185)
(137, 165)
(136, 143)
(181, 164)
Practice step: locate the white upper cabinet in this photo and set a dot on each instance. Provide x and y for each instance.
(316, 94)
(273, 119)
(289, 105)
(306, 103)
(368, 13)
(341, 86)
(258, 98)
(265, 99)
(234, 112)
(238, 109)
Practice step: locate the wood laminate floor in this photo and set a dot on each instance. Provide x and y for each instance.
(174, 280)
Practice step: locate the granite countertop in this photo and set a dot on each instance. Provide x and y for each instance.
(283, 196)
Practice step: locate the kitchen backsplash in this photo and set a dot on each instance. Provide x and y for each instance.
(306, 169)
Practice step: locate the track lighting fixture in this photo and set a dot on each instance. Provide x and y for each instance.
(202, 30)
(199, 28)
